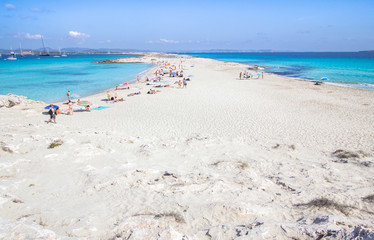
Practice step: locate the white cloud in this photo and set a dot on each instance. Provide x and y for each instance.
(27, 36)
(78, 36)
(9, 6)
(163, 40)
(150, 42)
(35, 36)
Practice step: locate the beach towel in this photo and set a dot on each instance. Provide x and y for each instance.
(100, 108)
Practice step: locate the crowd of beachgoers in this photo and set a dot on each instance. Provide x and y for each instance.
(165, 75)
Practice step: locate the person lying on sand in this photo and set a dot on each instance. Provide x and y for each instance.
(133, 94)
(118, 88)
(111, 96)
(88, 108)
(152, 91)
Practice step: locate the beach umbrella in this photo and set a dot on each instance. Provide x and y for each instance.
(84, 103)
(126, 83)
(324, 78)
(49, 107)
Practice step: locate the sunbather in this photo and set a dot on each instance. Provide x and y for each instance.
(133, 94)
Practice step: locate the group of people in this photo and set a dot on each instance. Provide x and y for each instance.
(54, 111)
(112, 96)
(247, 75)
(183, 83)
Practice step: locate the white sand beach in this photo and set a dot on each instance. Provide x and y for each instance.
(271, 158)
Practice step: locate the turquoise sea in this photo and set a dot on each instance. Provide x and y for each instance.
(49, 78)
(353, 69)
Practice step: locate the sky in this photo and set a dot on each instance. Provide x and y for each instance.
(179, 25)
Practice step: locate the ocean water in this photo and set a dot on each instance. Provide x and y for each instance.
(48, 78)
(354, 69)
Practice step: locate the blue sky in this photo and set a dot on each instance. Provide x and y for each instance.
(319, 25)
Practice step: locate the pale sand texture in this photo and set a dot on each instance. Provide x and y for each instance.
(222, 159)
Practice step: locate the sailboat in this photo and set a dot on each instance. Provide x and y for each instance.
(57, 56)
(64, 54)
(45, 53)
(20, 50)
(12, 56)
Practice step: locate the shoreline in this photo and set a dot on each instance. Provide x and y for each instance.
(142, 56)
(221, 159)
(251, 67)
(357, 85)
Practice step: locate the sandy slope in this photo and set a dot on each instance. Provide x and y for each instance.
(222, 159)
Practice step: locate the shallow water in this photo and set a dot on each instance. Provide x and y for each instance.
(49, 78)
(354, 69)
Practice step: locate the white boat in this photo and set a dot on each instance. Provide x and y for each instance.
(12, 56)
(64, 55)
(57, 56)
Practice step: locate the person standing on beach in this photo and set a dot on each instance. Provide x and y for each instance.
(184, 83)
(68, 94)
(52, 114)
(262, 74)
(138, 78)
(70, 104)
(240, 75)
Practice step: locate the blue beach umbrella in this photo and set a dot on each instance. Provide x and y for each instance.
(49, 107)
(324, 78)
